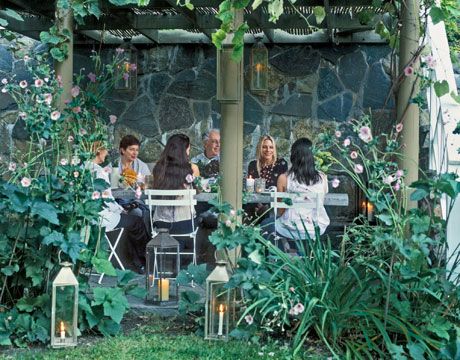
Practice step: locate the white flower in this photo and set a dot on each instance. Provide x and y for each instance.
(112, 119)
(75, 91)
(353, 155)
(189, 178)
(63, 162)
(365, 134)
(299, 308)
(12, 166)
(55, 115)
(346, 142)
(4, 90)
(70, 138)
(75, 160)
(76, 174)
(388, 180)
(359, 169)
(4, 81)
(335, 183)
(228, 223)
(430, 62)
(25, 182)
(96, 195)
(46, 79)
(23, 84)
(271, 354)
(232, 212)
(26, 58)
(22, 115)
(338, 134)
(249, 319)
(48, 98)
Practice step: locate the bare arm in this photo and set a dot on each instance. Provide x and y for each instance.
(195, 170)
(281, 186)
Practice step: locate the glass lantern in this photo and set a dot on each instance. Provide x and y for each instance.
(163, 264)
(64, 308)
(126, 71)
(259, 67)
(219, 309)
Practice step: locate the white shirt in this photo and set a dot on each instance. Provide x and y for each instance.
(111, 215)
(294, 220)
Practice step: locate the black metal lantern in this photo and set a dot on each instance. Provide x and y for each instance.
(126, 71)
(163, 264)
(259, 67)
(64, 308)
(220, 304)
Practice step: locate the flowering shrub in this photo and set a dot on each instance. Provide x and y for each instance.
(50, 202)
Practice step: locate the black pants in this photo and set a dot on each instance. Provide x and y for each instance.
(137, 235)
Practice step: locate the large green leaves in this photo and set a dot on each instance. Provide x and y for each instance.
(113, 301)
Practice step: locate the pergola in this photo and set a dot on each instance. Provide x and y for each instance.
(165, 22)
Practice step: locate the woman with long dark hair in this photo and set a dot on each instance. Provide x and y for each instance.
(303, 177)
(174, 171)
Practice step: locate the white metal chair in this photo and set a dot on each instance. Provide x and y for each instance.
(113, 249)
(295, 201)
(185, 197)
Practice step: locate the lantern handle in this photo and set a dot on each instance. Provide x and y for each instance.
(59, 256)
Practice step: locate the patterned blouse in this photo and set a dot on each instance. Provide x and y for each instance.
(268, 172)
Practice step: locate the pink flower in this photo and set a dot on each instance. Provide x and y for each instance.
(399, 174)
(189, 178)
(76, 109)
(55, 115)
(335, 183)
(96, 195)
(132, 67)
(228, 223)
(26, 58)
(48, 98)
(388, 180)
(70, 138)
(25, 182)
(346, 142)
(138, 193)
(299, 308)
(12, 166)
(22, 115)
(112, 119)
(359, 169)
(399, 127)
(38, 82)
(76, 174)
(125, 76)
(430, 62)
(365, 134)
(119, 51)
(75, 91)
(249, 319)
(92, 77)
(292, 311)
(292, 289)
(408, 70)
(23, 84)
(354, 155)
(232, 212)
(82, 131)
(397, 186)
(4, 81)
(338, 134)
(64, 162)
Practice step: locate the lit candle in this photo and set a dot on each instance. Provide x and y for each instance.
(250, 184)
(370, 211)
(221, 320)
(126, 74)
(258, 70)
(164, 289)
(62, 330)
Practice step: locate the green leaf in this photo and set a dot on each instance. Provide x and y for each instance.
(57, 54)
(256, 257)
(416, 351)
(137, 291)
(124, 276)
(108, 327)
(441, 88)
(256, 4)
(418, 194)
(45, 210)
(103, 266)
(10, 269)
(72, 245)
(275, 9)
(189, 6)
(440, 326)
(456, 97)
(55, 238)
(13, 14)
(437, 14)
(386, 218)
(4, 23)
(320, 14)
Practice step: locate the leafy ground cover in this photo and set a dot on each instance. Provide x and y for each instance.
(152, 337)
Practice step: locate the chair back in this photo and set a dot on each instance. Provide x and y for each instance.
(295, 200)
(182, 197)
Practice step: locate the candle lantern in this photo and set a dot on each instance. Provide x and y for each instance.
(163, 264)
(367, 209)
(259, 67)
(220, 305)
(126, 71)
(64, 308)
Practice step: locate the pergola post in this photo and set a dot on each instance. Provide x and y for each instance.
(230, 78)
(64, 20)
(408, 113)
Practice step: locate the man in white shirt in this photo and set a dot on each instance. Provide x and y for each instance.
(208, 160)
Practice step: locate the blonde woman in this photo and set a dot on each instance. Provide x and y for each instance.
(267, 166)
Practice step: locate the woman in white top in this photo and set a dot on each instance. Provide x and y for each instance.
(174, 171)
(304, 179)
(113, 215)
